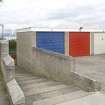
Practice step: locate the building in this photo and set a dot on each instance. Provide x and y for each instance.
(68, 42)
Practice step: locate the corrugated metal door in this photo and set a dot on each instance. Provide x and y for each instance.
(99, 43)
(79, 43)
(53, 41)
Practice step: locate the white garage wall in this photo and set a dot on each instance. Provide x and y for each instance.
(99, 43)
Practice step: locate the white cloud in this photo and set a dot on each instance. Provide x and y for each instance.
(60, 13)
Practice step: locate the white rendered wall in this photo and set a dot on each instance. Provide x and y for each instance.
(99, 43)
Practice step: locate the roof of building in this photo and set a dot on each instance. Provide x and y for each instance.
(45, 29)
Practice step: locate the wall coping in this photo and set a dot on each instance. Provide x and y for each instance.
(53, 53)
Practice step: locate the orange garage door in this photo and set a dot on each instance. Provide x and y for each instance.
(79, 43)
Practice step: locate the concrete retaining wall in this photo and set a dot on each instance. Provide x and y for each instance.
(52, 65)
(60, 68)
(15, 93)
(7, 65)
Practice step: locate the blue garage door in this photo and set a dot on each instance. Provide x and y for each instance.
(53, 41)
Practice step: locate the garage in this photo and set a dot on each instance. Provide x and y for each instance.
(53, 41)
(79, 43)
(99, 43)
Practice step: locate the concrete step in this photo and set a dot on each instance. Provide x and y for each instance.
(59, 92)
(41, 84)
(31, 81)
(27, 78)
(23, 73)
(43, 89)
(61, 98)
(53, 93)
(24, 76)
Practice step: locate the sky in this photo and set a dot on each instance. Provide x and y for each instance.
(53, 13)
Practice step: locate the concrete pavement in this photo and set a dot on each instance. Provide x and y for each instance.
(92, 67)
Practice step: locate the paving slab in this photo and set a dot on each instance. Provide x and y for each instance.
(54, 93)
(32, 81)
(42, 84)
(26, 78)
(43, 89)
(61, 98)
(94, 99)
(92, 67)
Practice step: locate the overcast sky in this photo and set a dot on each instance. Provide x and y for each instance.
(53, 13)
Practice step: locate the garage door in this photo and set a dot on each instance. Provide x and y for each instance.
(99, 43)
(79, 43)
(53, 41)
